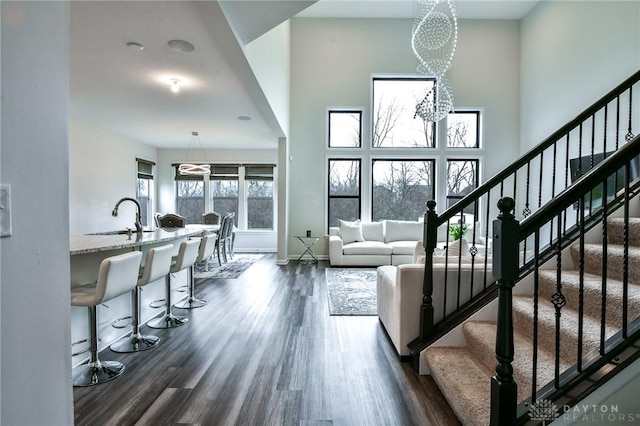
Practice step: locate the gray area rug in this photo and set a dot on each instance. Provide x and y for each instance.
(351, 291)
(230, 270)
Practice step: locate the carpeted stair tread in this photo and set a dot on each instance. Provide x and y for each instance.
(481, 341)
(593, 254)
(615, 230)
(592, 300)
(523, 323)
(464, 381)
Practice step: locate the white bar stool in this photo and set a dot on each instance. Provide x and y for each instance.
(207, 246)
(186, 257)
(157, 265)
(117, 275)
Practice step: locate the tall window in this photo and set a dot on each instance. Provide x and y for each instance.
(259, 188)
(190, 199)
(344, 190)
(144, 189)
(224, 189)
(407, 161)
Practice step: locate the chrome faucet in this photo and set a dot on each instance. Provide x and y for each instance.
(138, 220)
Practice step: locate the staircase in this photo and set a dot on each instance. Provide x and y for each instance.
(463, 374)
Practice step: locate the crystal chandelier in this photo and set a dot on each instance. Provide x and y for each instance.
(192, 168)
(433, 39)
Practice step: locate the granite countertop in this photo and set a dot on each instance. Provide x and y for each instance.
(93, 243)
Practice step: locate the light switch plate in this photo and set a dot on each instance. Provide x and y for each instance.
(5, 210)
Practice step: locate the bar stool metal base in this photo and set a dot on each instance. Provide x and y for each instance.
(167, 321)
(135, 343)
(190, 303)
(97, 372)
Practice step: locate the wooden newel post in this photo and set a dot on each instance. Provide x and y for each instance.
(429, 240)
(504, 390)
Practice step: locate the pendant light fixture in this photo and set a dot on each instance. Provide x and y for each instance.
(193, 168)
(433, 39)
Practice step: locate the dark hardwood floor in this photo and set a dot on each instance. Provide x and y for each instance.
(264, 351)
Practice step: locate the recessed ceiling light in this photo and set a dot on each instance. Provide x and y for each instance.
(135, 46)
(244, 118)
(182, 46)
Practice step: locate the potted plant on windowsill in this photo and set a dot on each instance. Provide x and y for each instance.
(459, 246)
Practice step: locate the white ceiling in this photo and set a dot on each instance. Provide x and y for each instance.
(127, 91)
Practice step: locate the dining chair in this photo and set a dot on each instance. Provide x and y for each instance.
(171, 220)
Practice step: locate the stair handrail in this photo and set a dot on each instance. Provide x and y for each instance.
(510, 235)
(537, 150)
(583, 185)
(429, 329)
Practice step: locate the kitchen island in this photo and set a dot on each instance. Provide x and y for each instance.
(86, 254)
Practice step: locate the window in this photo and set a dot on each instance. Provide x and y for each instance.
(394, 113)
(246, 190)
(407, 161)
(462, 129)
(401, 188)
(224, 191)
(144, 189)
(345, 128)
(344, 190)
(259, 188)
(462, 178)
(190, 200)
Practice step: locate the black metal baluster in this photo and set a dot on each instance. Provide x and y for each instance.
(625, 258)
(536, 285)
(558, 301)
(459, 257)
(473, 250)
(486, 241)
(527, 211)
(603, 274)
(591, 160)
(566, 173)
(630, 134)
(581, 285)
(446, 273)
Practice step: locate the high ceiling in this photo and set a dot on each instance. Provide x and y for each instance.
(127, 91)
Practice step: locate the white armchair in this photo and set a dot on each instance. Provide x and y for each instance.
(399, 293)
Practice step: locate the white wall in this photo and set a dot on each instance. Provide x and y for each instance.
(102, 170)
(269, 57)
(331, 65)
(573, 53)
(35, 352)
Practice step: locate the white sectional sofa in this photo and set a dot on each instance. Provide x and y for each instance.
(390, 242)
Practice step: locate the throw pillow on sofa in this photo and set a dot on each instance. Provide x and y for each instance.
(350, 231)
(403, 230)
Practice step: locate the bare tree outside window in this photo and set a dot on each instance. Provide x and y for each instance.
(344, 190)
(224, 196)
(462, 178)
(259, 204)
(462, 129)
(401, 188)
(394, 124)
(190, 200)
